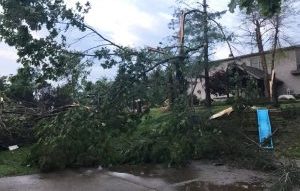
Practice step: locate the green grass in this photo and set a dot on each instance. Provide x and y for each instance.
(214, 109)
(219, 107)
(285, 105)
(154, 119)
(294, 152)
(14, 162)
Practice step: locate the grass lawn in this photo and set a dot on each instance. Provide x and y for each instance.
(219, 107)
(284, 105)
(213, 109)
(14, 162)
(294, 152)
(154, 119)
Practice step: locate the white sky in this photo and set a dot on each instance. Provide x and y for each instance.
(135, 23)
(127, 21)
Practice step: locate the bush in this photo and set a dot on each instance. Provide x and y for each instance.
(291, 112)
(161, 139)
(77, 137)
(230, 140)
(176, 138)
(289, 177)
(194, 100)
(17, 130)
(81, 138)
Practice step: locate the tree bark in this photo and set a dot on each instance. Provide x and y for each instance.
(170, 87)
(206, 66)
(273, 87)
(262, 57)
(179, 65)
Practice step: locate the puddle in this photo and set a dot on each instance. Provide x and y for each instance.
(191, 185)
(170, 175)
(206, 186)
(148, 182)
(196, 176)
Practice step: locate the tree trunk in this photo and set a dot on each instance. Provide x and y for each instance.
(273, 87)
(180, 81)
(170, 87)
(179, 65)
(262, 58)
(206, 66)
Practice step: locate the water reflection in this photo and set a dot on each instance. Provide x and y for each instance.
(206, 186)
(189, 178)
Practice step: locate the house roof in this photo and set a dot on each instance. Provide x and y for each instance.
(255, 72)
(256, 54)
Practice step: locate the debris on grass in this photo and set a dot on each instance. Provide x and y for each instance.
(227, 111)
(13, 147)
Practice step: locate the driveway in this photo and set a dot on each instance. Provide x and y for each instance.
(196, 176)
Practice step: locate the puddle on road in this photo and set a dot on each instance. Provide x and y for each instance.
(206, 186)
(170, 175)
(139, 170)
(160, 184)
(180, 179)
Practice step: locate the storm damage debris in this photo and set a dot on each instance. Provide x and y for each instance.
(227, 111)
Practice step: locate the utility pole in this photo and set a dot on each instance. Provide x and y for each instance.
(206, 66)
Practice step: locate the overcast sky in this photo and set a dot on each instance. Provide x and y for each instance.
(136, 23)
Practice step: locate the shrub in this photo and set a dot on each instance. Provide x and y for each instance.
(289, 177)
(17, 130)
(77, 137)
(81, 138)
(291, 112)
(164, 141)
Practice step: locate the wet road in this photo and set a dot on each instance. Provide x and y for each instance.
(196, 176)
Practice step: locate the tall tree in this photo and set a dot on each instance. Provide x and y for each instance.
(266, 32)
(52, 21)
(47, 52)
(157, 87)
(279, 24)
(22, 88)
(206, 66)
(3, 83)
(273, 88)
(254, 23)
(266, 7)
(18, 21)
(201, 33)
(259, 41)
